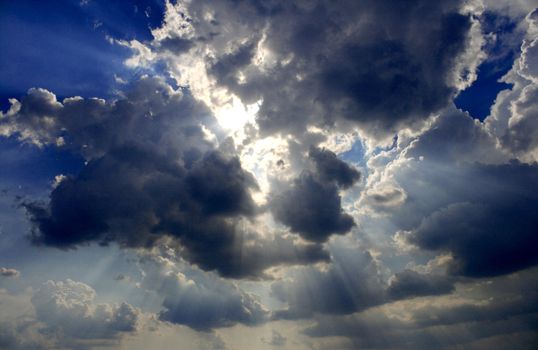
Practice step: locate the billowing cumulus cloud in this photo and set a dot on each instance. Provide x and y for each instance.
(481, 213)
(210, 305)
(159, 174)
(281, 174)
(68, 310)
(513, 116)
(311, 204)
(312, 208)
(488, 235)
(63, 315)
(332, 169)
(18, 327)
(198, 300)
(378, 64)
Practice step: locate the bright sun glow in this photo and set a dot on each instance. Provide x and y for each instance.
(234, 115)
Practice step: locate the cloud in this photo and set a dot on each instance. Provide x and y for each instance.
(5, 272)
(512, 116)
(312, 208)
(209, 305)
(68, 311)
(331, 169)
(92, 127)
(374, 63)
(62, 315)
(463, 197)
(456, 137)
(176, 45)
(409, 283)
(384, 197)
(18, 327)
(158, 169)
(349, 284)
(488, 233)
(153, 169)
(276, 339)
(196, 299)
(311, 204)
(12, 337)
(471, 320)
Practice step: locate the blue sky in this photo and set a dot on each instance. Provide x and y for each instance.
(63, 46)
(478, 98)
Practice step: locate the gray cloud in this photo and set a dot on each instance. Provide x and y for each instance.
(350, 283)
(487, 233)
(157, 168)
(311, 204)
(312, 209)
(456, 137)
(152, 170)
(176, 45)
(6, 272)
(379, 64)
(209, 305)
(507, 319)
(523, 133)
(331, 169)
(409, 283)
(68, 311)
(12, 338)
(276, 339)
(476, 206)
(196, 299)
(513, 116)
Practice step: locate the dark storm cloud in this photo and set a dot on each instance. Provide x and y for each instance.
(377, 63)
(220, 186)
(409, 283)
(350, 284)
(499, 313)
(262, 253)
(483, 214)
(311, 204)
(133, 210)
(330, 168)
(151, 170)
(312, 208)
(491, 231)
(388, 333)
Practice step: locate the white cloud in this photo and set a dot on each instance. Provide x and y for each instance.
(68, 311)
(514, 115)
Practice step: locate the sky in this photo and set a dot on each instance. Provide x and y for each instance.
(264, 174)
